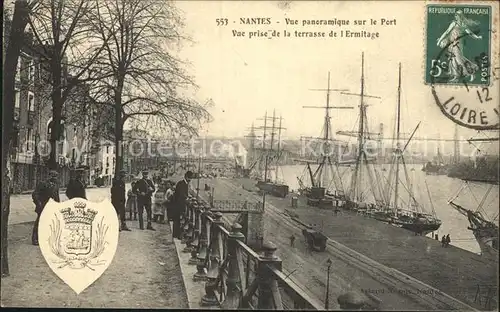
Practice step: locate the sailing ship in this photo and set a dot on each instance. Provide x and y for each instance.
(318, 191)
(485, 231)
(268, 156)
(412, 218)
(356, 196)
(387, 206)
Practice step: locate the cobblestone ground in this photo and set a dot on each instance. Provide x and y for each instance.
(144, 273)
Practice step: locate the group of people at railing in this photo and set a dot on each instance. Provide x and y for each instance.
(164, 203)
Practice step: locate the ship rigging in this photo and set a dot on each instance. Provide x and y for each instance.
(317, 190)
(388, 206)
(269, 156)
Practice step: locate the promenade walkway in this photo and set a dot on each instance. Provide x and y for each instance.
(144, 274)
(145, 271)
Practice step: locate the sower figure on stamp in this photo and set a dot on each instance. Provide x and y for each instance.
(76, 185)
(179, 203)
(453, 39)
(44, 191)
(118, 198)
(144, 188)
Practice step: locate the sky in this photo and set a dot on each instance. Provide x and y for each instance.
(247, 77)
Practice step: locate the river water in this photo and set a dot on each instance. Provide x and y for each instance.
(441, 190)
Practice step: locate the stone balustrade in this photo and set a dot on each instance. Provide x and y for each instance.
(235, 276)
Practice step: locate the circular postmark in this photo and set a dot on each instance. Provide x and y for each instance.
(466, 87)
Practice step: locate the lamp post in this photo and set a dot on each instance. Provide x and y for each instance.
(327, 295)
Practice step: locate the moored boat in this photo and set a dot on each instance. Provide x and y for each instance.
(483, 228)
(318, 189)
(268, 185)
(410, 216)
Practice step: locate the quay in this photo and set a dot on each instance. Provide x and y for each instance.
(213, 268)
(400, 270)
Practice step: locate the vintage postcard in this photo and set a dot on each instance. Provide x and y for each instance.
(282, 155)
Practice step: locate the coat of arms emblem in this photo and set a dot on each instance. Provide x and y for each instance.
(78, 239)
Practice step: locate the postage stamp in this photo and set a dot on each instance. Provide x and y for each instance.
(461, 62)
(458, 44)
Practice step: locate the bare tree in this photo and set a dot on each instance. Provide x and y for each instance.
(146, 78)
(63, 43)
(13, 43)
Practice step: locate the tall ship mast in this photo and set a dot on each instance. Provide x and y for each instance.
(409, 215)
(357, 195)
(267, 158)
(318, 189)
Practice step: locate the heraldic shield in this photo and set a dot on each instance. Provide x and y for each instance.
(78, 239)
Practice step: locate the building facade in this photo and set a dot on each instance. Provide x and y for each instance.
(33, 123)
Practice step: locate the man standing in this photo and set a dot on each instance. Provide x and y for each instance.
(44, 191)
(76, 185)
(118, 198)
(179, 204)
(144, 188)
(169, 195)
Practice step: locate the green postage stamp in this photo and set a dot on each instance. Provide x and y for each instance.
(458, 49)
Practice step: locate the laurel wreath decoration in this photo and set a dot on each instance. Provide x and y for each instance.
(100, 243)
(89, 261)
(55, 242)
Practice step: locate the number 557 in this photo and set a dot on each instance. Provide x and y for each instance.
(221, 21)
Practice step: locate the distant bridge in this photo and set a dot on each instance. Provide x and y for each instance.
(195, 159)
(342, 162)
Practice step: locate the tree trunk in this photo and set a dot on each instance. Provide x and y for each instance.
(56, 72)
(15, 42)
(118, 128)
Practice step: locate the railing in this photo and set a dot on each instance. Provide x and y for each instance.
(235, 276)
(236, 206)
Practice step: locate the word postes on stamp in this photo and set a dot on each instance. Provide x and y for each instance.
(459, 54)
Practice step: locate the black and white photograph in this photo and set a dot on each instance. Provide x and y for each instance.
(250, 155)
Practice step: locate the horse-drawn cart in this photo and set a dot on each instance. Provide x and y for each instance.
(314, 239)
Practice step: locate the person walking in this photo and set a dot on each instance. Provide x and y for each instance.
(179, 203)
(131, 205)
(76, 185)
(448, 240)
(118, 198)
(443, 241)
(44, 191)
(144, 188)
(292, 241)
